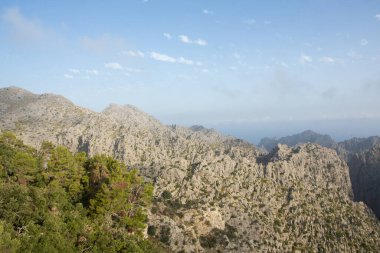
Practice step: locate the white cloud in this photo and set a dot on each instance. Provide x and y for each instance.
(162, 57)
(92, 72)
(74, 71)
(67, 76)
(166, 58)
(167, 36)
(185, 39)
(207, 12)
(327, 59)
(22, 29)
(113, 65)
(250, 21)
(135, 53)
(364, 42)
(200, 42)
(305, 59)
(377, 16)
(185, 61)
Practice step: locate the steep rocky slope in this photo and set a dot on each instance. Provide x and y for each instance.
(212, 193)
(365, 174)
(361, 155)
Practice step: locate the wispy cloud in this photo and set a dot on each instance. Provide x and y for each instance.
(354, 55)
(200, 42)
(113, 65)
(78, 73)
(167, 36)
(74, 71)
(162, 57)
(285, 84)
(185, 39)
(132, 70)
(377, 16)
(250, 21)
(166, 58)
(185, 61)
(68, 76)
(207, 12)
(23, 29)
(236, 56)
(92, 72)
(327, 59)
(329, 93)
(135, 53)
(363, 42)
(102, 43)
(305, 59)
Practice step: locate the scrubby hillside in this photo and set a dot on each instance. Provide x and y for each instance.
(212, 193)
(54, 201)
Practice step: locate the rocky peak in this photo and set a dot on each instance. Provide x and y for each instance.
(131, 115)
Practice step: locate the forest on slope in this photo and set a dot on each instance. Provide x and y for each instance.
(52, 200)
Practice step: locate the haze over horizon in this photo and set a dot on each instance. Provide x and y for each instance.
(248, 68)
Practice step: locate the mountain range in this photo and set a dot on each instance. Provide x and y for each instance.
(216, 193)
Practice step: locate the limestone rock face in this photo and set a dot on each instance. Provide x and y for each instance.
(213, 193)
(365, 176)
(361, 155)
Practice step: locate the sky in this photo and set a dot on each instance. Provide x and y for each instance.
(247, 68)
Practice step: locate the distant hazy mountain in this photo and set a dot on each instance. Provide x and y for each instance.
(213, 193)
(361, 154)
(307, 136)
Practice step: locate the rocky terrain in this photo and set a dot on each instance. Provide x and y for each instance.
(213, 193)
(363, 159)
(361, 154)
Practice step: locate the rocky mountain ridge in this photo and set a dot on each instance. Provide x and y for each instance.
(213, 193)
(361, 154)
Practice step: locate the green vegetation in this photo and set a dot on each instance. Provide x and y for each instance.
(54, 201)
(218, 237)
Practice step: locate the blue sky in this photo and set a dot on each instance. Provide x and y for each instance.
(224, 64)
